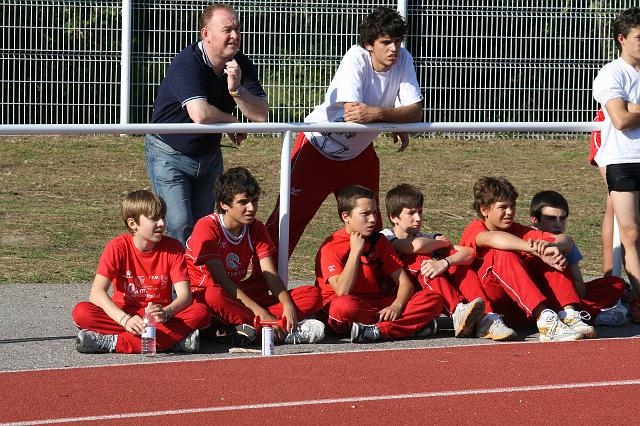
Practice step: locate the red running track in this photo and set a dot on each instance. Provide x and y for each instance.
(586, 382)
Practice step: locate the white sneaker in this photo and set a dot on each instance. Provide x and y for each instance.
(190, 344)
(466, 315)
(552, 329)
(615, 316)
(308, 331)
(576, 323)
(492, 327)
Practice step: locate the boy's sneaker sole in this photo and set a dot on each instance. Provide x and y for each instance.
(474, 313)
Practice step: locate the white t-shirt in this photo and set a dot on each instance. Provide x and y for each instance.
(617, 79)
(357, 81)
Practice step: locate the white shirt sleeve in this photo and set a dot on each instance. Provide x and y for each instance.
(409, 91)
(609, 85)
(349, 78)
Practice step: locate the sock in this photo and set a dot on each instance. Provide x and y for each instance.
(567, 312)
(545, 316)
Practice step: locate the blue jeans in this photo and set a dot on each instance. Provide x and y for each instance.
(185, 183)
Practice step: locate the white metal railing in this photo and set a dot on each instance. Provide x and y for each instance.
(65, 61)
(286, 129)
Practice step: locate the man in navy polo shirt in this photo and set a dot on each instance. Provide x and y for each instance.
(204, 84)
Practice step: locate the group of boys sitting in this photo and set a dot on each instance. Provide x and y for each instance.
(370, 285)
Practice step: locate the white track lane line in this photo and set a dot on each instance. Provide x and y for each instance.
(564, 386)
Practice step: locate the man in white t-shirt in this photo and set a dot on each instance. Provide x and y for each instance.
(617, 89)
(375, 82)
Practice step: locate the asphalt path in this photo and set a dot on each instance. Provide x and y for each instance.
(36, 332)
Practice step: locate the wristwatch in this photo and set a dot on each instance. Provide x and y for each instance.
(237, 93)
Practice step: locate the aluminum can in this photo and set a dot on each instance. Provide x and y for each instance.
(267, 341)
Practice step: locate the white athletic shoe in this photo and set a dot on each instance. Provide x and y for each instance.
(308, 331)
(576, 322)
(552, 329)
(492, 327)
(466, 316)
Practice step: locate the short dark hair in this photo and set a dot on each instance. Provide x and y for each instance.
(401, 197)
(348, 198)
(547, 199)
(490, 190)
(237, 180)
(381, 22)
(624, 23)
(142, 202)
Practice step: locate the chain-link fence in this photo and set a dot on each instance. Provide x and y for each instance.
(477, 60)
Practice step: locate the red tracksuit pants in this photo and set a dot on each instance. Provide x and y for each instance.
(602, 293)
(514, 286)
(88, 316)
(314, 177)
(458, 284)
(306, 299)
(421, 309)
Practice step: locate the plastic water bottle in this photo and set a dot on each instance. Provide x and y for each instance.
(149, 335)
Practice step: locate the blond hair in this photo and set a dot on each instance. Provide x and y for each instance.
(142, 202)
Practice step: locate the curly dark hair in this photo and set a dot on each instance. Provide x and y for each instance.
(381, 22)
(624, 23)
(237, 180)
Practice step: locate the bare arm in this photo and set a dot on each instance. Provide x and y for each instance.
(503, 241)
(357, 112)
(578, 281)
(279, 290)
(202, 112)
(621, 116)
(432, 268)
(405, 291)
(343, 283)
(419, 245)
(216, 268)
(99, 297)
(253, 107)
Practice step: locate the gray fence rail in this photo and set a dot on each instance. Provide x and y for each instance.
(477, 60)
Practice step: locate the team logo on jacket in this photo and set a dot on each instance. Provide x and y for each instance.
(232, 261)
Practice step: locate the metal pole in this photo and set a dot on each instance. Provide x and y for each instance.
(402, 10)
(283, 223)
(125, 62)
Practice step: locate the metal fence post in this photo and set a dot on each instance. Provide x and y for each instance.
(125, 64)
(283, 222)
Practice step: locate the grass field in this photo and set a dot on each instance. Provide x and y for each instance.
(60, 196)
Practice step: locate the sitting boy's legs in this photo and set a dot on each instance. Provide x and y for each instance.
(557, 286)
(505, 271)
(603, 293)
(421, 309)
(307, 301)
(466, 281)
(88, 316)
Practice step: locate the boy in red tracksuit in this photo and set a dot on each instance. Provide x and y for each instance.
(434, 263)
(144, 266)
(549, 211)
(364, 286)
(523, 271)
(230, 245)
